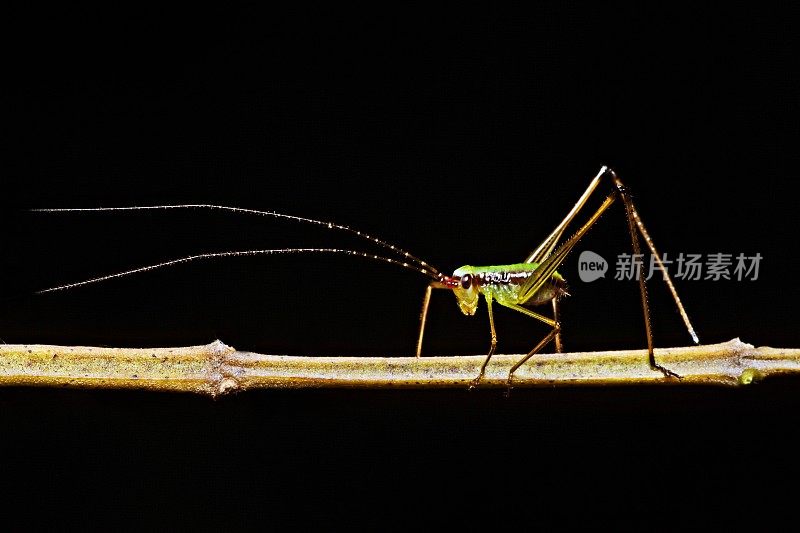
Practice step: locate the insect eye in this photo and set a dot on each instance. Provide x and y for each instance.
(466, 281)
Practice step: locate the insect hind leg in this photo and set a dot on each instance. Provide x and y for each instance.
(635, 228)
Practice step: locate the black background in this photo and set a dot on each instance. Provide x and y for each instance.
(462, 137)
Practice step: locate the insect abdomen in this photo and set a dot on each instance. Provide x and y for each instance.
(504, 282)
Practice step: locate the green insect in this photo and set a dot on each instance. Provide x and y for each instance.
(534, 282)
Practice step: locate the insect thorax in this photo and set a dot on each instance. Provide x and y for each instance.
(503, 283)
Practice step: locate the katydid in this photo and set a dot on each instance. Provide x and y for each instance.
(519, 286)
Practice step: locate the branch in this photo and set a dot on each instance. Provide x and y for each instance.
(216, 369)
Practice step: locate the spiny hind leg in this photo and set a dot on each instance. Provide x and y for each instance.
(636, 228)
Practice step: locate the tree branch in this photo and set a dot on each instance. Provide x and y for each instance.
(216, 369)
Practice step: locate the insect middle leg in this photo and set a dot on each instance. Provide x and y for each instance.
(554, 334)
(538, 348)
(549, 321)
(559, 346)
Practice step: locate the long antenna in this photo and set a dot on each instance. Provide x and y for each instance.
(329, 225)
(240, 253)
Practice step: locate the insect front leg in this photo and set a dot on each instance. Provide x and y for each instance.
(426, 300)
(423, 316)
(493, 346)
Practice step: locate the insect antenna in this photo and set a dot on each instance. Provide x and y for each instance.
(329, 225)
(239, 253)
